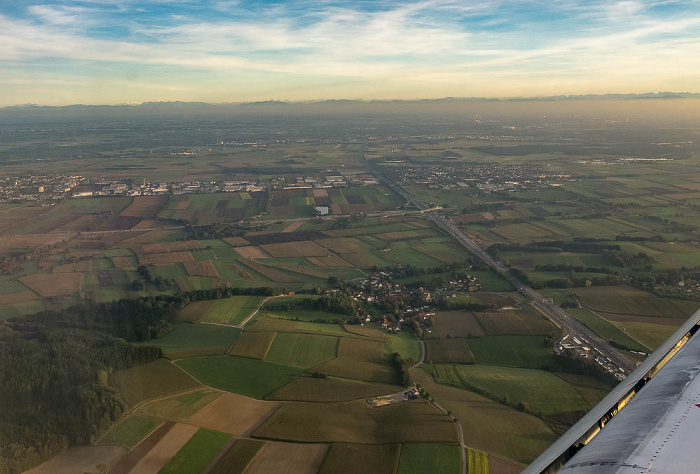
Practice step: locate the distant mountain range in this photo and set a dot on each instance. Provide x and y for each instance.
(275, 103)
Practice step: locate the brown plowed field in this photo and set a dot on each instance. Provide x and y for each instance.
(320, 193)
(290, 458)
(268, 272)
(165, 258)
(17, 297)
(121, 262)
(54, 284)
(82, 266)
(234, 414)
(236, 241)
(146, 207)
(251, 252)
(83, 459)
(127, 463)
(206, 269)
(29, 241)
(458, 324)
(164, 449)
(293, 226)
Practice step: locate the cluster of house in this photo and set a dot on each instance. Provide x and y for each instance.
(42, 188)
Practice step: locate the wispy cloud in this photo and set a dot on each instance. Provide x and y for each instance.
(430, 47)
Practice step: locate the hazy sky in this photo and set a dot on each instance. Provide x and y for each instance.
(118, 51)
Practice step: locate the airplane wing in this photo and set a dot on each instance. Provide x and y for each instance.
(649, 423)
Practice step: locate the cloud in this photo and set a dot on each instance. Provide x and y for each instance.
(421, 44)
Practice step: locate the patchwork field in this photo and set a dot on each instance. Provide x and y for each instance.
(288, 457)
(83, 459)
(254, 344)
(129, 432)
(454, 350)
(234, 414)
(239, 457)
(301, 350)
(249, 377)
(196, 453)
(179, 407)
(512, 351)
(54, 284)
(457, 324)
(205, 268)
(352, 458)
(309, 389)
(357, 422)
(151, 380)
(417, 458)
(191, 339)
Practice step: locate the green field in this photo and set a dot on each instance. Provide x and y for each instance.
(151, 380)
(253, 344)
(237, 459)
(607, 330)
(406, 344)
(513, 351)
(418, 458)
(539, 392)
(345, 458)
(301, 350)
(129, 431)
(249, 377)
(196, 336)
(196, 453)
(179, 407)
(232, 310)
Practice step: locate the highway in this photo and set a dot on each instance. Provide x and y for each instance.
(602, 352)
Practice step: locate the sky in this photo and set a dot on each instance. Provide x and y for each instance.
(59, 52)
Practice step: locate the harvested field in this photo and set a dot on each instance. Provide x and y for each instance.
(293, 226)
(501, 466)
(457, 324)
(342, 245)
(305, 248)
(449, 351)
(503, 322)
(179, 407)
(320, 193)
(330, 261)
(309, 389)
(253, 344)
(181, 205)
(357, 422)
(81, 266)
(155, 379)
(268, 272)
(251, 252)
(345, 458)
(288, 458)
(177, 246)
(205, 268)
(167, 447)
(146, 207)
(29, 241)
(17, 297)
(54, 284)
(234, 414)
(121, 262)
(165, 258)
(365, 331)
(369, 350)
(83, 459)
(236, 241)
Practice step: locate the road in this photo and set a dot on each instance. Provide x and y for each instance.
(604, 354)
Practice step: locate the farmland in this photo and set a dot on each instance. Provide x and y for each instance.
(435, 457)
(253, 378)
(197, 338)
(196, 453)
(151, 380)
(178, 407)
(129, 431)
(449, 350)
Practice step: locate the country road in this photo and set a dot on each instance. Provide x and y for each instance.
(609, 357)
